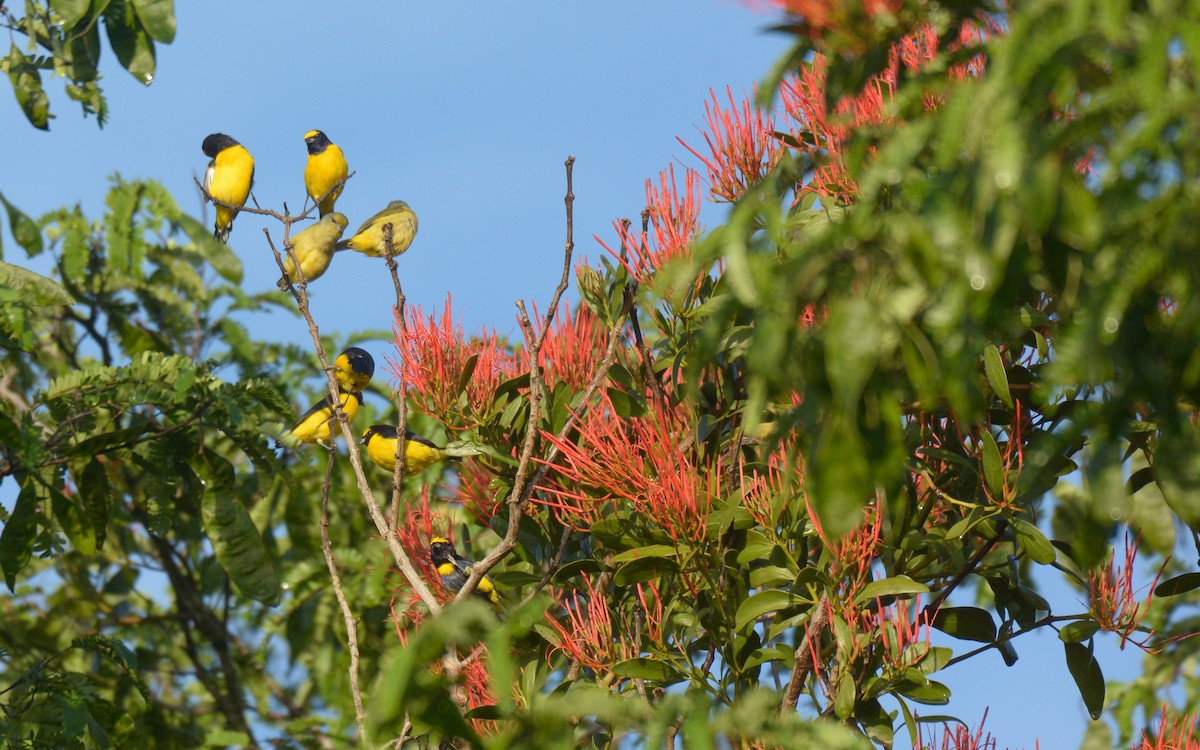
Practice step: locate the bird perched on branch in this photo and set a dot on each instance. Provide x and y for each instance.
(314, 248)
(353, 369)
(326, 170)
(317, 424)
(455, 569)
(370, 240)
(419, 453)
(228, 179)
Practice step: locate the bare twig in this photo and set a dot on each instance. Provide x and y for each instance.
(522, 488)
(398, 473)
(399, 556)
(360, 716)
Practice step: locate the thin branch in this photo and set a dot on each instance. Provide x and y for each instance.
(360, 716)
(522, 488)
(399, 556)
(804, 665)
(398, 474)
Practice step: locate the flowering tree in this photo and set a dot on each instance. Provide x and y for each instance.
(729, 493)
(768, 458)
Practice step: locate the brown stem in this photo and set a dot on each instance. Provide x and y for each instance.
(360, 716)
(803, 665)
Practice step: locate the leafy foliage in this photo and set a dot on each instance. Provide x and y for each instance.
(63, 37)
(726, 497)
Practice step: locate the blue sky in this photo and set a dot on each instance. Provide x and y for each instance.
(465, 111)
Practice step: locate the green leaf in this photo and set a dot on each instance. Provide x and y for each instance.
(644, 569)
(993, 467)
(894, 586)
(130, 42)
(930, 693)
(1178, 585)
(158, 17)
(966, 623)
(27, 85)
(993, 367)
(1034, 542)
(845, 695)
(1088, 677)
(72, 11)
(74, 522)
(239, 547)
(1078, 631)
(643, 668)
(16, 540)
(25, 231)
(766, 601)
(650, 550)
(33, 289)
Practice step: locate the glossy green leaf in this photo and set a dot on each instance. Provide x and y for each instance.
(653, 670)
(1180, 584)
(649, 550)
(1078, 631)
(72, 11)
(930, 693)
(993, 366)
(765, 602)
(993, 466)
(966, 623)
(158, 17)
(894, 586)
(130, 42)
(844, 696)
(1088, 678)
(1034, 542)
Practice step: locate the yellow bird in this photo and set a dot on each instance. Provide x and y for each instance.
(369, 237)
(228, 179)
(455, 569)
(353, 369)
(325, 173)
(419, 453)
(317, 424)
(314, 248)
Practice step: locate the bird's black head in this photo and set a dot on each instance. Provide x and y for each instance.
(216, 143)
(382, 430)
(360, 361)
(317, 141)
(441, 550)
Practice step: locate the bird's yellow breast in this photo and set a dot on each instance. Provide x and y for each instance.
(324, 172)
(232, 176)
(417, 456)
(316, 424)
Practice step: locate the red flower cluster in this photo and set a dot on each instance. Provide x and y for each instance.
(434, 355)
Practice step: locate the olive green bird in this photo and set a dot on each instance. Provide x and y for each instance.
(314, 249)
(369, 239)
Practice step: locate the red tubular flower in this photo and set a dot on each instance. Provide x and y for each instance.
(646, 461)
(1113, 603)
(741, 143)
(434, 354)
(587, 635)
(1181, 735)
(474, 491)
(957, 736)
(573, 347)
(905, 642)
